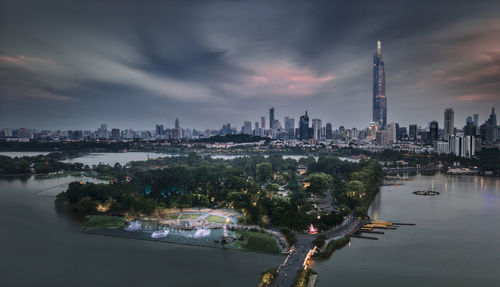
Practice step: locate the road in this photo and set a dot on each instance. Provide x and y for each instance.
(295, 260)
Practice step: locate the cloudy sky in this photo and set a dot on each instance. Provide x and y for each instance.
(132, 64)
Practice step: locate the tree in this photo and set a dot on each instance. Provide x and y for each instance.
(264, 171)
(320, 182)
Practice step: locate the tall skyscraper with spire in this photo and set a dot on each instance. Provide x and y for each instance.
(379, 99)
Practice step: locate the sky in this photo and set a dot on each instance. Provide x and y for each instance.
(133, 64)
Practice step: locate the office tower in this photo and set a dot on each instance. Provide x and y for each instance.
(433, 132)
(449, 126)
(304, 127)
(290, 126)
(392, 128)
(329, 133)
(115, 134)
(489, 130)
(379, 99)
(316, 125)
(271, 118)
(160, 130)
(468, 120)
(470, 129)
(247, 127)
(177, 125)
(256, 125)
(263, 122)
(476, 119)
(412, 134)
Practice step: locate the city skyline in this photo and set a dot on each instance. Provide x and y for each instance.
(60, 71)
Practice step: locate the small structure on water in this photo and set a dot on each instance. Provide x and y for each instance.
(426, 192)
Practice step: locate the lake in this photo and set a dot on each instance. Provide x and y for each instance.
(455, 241)
(43, 248)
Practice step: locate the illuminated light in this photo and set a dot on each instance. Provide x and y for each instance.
(312, 230)
(135, 225)
(160, 234)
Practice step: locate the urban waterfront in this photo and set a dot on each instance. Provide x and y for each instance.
(453, 243)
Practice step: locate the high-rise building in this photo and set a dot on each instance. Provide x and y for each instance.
(379, 99)
(489, 130)
(304, 127)
(449, 125)
(271, 118)
(263, 122)
(412, 133)
(329, 132)
(476, 122)
(115, 134)
(247, 127)
(316, 125)
(433, 132)
(470, 129)
(290, 126)
(160, 130)
(392, 128)
(177, 125)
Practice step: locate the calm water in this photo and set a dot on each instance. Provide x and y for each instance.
(456, 240)
(41, 248)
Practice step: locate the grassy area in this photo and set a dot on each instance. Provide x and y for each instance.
(215, 219)
(268, 277)
(190, 216)
(257, 242)
(104, 221)
(302, 278)
(170, 216)
(332, 246)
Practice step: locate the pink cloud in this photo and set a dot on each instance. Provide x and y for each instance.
(22, 60)
(477, 97)
(283, 78)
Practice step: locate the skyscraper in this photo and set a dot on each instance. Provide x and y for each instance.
(379, 99)
(329, 132)
(412, 132)
(290, 126)
(263, 123)
(304, 127)
(177, 125)
(433, 132)
(271, 118)
(449, 124)
(316, 125)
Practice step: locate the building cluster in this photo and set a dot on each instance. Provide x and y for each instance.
(378, 135)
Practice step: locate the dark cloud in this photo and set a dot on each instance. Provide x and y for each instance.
(68, 64)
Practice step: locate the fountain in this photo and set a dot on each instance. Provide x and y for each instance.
(135, 225)
(160, 233)
(201, 233)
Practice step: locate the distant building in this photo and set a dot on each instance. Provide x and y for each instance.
(263, 123)
(433, 132)
(290, 126)
(412, 134)
(247, 128)
(379, 99)
(304, 127)
(383, 138)
(489, 130)
(328, 130)
(115, 134)
(177, 125)
(449, 117)
(316, 125)
(470, 129)
(271, 118)
(441, 147)
(462, 146)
